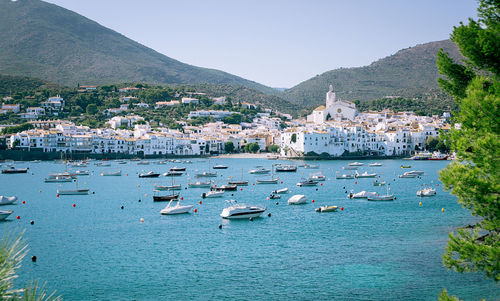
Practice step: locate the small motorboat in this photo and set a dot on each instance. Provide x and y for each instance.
(220, 166)
(238, 183)
(165, 198)
(438, 156)
(415, 172)
(173, 174)
(311, 166)
(175, 168)
(339, 176)
(58, 179)
(259, 170)
(327, 209)
(169, 187)
(355, 164)
(162, 162)
(187, 162)
(227, 187)
(375, 164)
(349, 167)
(241, 211)
(7, 200)
(365, 175)
(281, 191)
(361, 195)
(149, 174)
(73, 192)
(378, 183)
(274, 196)
(213, 194)
(405, 166)
(111, 173)
(200, 184)
(207, 174)
(408, 175)
(307, 183)
(4, 214)
(13, 170)
(81, 173)
(317, 178)
(143, 162)
(176, 209)
(297, 199)
(427, 191)
(268, 181)
(286, 168)
(386, 197)
(121, 162)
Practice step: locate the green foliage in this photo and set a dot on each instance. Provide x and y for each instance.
(443, 296)
(233, 119)
(458, 75)
(229, 146)
(273, 148)
(12, 252)
(418, 106)
(17, 128)
(436, 144)
(293, 139)
(103, 56)
(474, 178)
(409, 73)
(251, 147)
(92, 109)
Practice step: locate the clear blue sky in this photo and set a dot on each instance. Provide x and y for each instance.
(277, 43)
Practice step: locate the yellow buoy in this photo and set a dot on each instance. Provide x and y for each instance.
(420, 204)
(442, 209)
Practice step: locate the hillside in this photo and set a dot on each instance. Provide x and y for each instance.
(410, 72)
(12, 84)
(42, 40)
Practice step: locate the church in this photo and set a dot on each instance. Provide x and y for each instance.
(334, 110)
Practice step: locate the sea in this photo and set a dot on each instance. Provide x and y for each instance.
(114, 244)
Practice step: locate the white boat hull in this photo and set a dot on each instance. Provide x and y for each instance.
(73, 192)
(176, 210)
(4, 214)
(7, 200)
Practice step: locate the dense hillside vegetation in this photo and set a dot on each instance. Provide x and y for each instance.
(42, 40)
(409, 73)
(12, 84)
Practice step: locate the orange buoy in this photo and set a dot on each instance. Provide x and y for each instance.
(313, 201)
(420, 203)
(342, 208)
(268, 198)
(442, 209)
(145, 194)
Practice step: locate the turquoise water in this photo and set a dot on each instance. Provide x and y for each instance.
(368, 251)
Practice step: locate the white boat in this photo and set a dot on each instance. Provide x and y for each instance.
(169, 187)
(376, 182)
(385, 197)
(199, 184)
(143, 162)
(213, 194)
(427, 191)
(297, 199)
(121, 162)
(327, 209)
(111, 173)
(260, 170)
(176, 209)
(234, 210)
(375, 164)
(81, 173)
(73, 192)
(408, 175)
(307, 183)
(365, 175)
(207, 174)
(311, 166)
(267, 181)
(220, 166)
(281, 191)
(58, 179)
(7, 200)
(361, 195)
(355, 164)
(414, 172)
(62, 174)
(349, 167)
(317, 178)
(4, 214)
(339, 176)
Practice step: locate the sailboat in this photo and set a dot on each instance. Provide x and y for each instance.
(169, 187)
(269, 181)
(239, 183)
(386, 197)
(73, 191)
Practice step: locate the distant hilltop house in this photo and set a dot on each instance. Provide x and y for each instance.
(219, 100)
(15, 108)
(128, 121)
(127, 98)
(128, 89)
(247, 105)
(334, 110)
(86, 88)
(53, 105)
(33, 113)
(188, 100)
(161, 104)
